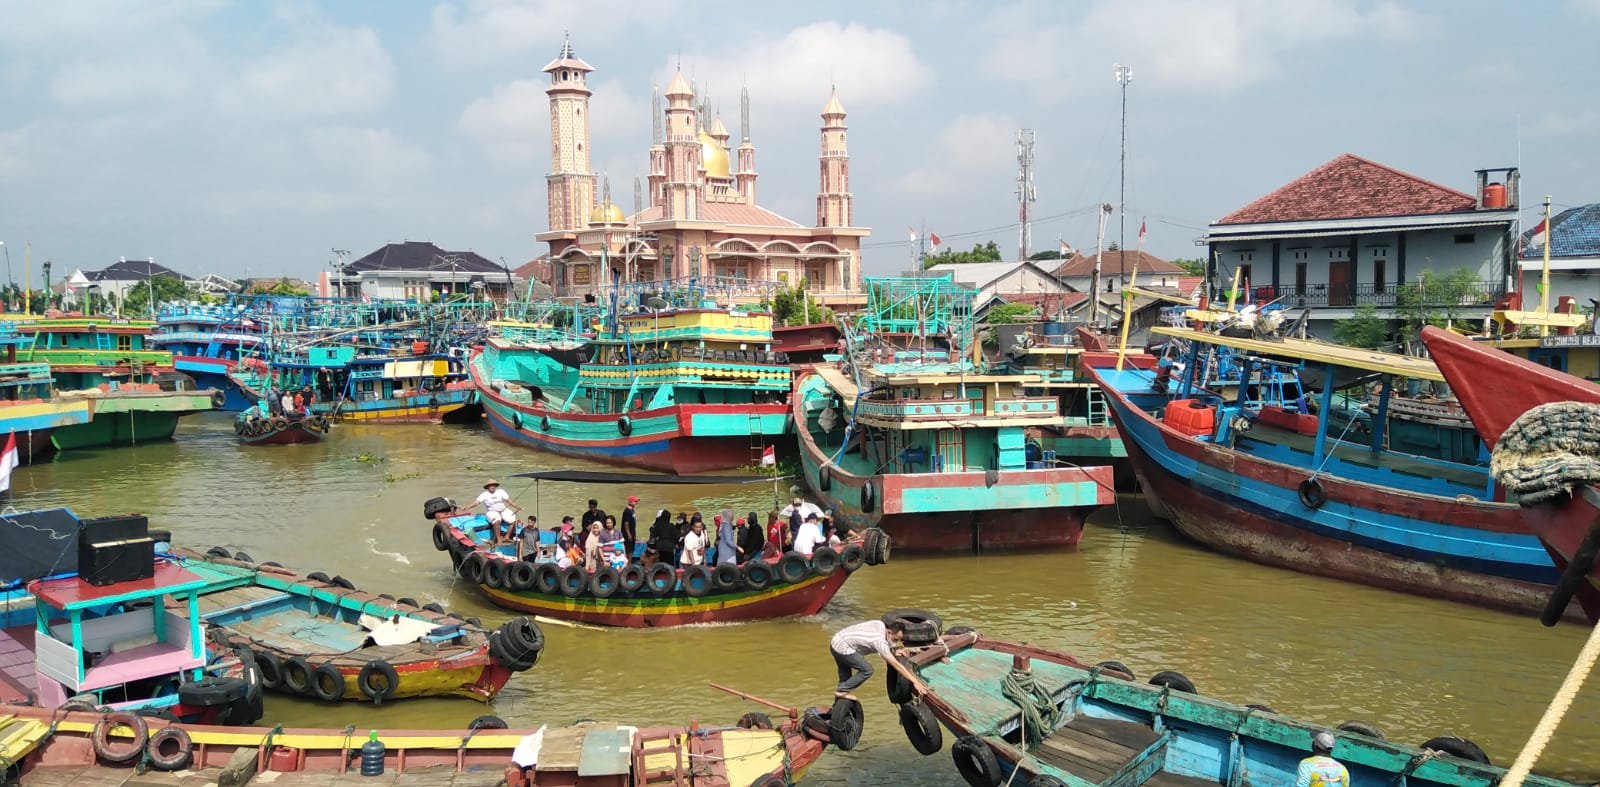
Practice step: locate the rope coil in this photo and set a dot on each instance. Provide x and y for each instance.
(1548, 450)
(1039, 711)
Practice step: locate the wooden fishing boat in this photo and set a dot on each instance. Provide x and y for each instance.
(279, 429)
(639, 596)
(1502, 393)
(317, 636)
(51, 749)
(1017, 710)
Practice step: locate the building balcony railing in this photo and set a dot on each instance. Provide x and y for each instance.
(1316, 296)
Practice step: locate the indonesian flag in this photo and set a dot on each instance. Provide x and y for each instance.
(933, 240)
(8, 462)
(913, 234)
(1539, 232)
(1141, 232)
(1066, 251)
(769, 457)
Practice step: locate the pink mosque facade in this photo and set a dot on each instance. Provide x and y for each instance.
(700, 217)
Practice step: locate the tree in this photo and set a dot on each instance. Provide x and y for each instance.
(1193, 267)
(1364, 329)
(982, 252)
(1050, 254)
(166, 289)
(1009, 313)
(1435, 299)
(795, 306)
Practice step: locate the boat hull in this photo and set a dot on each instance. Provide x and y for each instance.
(432, 408)
(211, 374)
(108, 429)
(293, 432)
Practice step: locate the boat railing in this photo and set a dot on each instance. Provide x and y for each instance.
(914, 409)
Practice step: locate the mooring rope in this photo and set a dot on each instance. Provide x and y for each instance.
(1548, 450)
(1039, 712)
(1546, 728)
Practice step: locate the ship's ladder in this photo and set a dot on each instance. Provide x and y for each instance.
(660, 759)
(1096, 400)
(758, 439)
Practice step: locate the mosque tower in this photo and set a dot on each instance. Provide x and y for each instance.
(681, 184)
(833, 194)
(745, 173)
(571, 183)
(658, 152)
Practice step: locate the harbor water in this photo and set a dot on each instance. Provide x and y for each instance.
(1133, 591)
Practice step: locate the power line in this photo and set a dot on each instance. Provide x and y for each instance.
(988, 230)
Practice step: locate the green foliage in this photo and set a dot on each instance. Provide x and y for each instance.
(1365, 329)
(1009, 313)
(795, 306)
(1193, 267)
(1437, 299)
(983, 252)
(165, 288)
(1052, 254)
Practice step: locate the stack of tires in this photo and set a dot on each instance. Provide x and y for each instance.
(920, 725)
(517, 644)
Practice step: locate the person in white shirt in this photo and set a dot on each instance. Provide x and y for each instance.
(694, 545)
(499, 509)
(810, 536)
(851, 645)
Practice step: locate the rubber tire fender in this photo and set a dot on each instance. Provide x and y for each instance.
(661, 579)
(341, 582)
(441, 537)
(471, 568)
(631, 577)
(219, 552)
(297, 675)
(758, 575)
(271, 668)
(869, 497)
(374, 691)
(110, 751)
(1173, 680)
(922, 728)
(877, 544)
(487, 723)
(725, 577)
(218, 399)
(318, 576)
(922, 627)
(1457, 746)
(544, 423)
(696, 581)
(825, 561)
(851, 558)
(433, 402)
(519, 576)
(1312, 495)
(825, 477)
(975, 761)
(176, 760)
(1360, 727)
(493, 573)
(327, 684)
(574, 580)
(213, 691)
(605, 582)
(755, 720)
(433, 607)
(900, 690)
(845, 723)
(1116, 669)
(547, 579)
(625, 426)
(792, 567)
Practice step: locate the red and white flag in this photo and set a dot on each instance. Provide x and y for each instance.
(1141, 232)
(1539, 233)
(933, 240)
(1066, 251)
(8, 462)
(769, 457)
(913, 234)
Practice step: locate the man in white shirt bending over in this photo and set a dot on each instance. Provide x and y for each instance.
(810, 536)
(499, 510)
(851, 645)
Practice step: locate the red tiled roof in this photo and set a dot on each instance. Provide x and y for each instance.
(1351, 187)
(727, 213)
(1189, 285)
(1083, 264)
(536, 268)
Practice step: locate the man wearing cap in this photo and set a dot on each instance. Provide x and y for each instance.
(1321, 769)
(801, 507)
(810, 536)
(499, 510)
(629, 527)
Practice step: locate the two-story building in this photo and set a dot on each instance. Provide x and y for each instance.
(1574, 239)
(1353, 232)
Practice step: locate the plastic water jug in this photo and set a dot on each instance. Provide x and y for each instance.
(372, 756)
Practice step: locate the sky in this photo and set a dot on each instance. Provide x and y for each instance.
(254, 138)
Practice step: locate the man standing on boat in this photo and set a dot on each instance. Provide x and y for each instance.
(594, 514)
(851, 645)
(1321, 769)
(499, 509)
(630, 527)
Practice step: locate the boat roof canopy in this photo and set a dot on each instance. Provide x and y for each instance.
(1316, 352)
(605, 477)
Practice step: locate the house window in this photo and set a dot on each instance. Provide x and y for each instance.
(1466, 237)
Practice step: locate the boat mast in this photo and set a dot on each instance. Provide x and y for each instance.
(1544, 276)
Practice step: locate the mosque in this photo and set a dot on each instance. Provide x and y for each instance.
(696, 214)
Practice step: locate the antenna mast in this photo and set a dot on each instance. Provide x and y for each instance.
(1025, 190)
(1124, 78)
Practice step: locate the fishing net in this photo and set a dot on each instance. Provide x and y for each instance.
(1548, 450)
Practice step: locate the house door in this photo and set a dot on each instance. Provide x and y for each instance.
(1341, 287)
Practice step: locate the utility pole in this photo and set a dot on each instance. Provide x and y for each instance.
(1099, 251)
(1025, 190)
(1124, 78)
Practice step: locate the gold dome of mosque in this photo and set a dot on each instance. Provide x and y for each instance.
(713, 156)
(607, 213)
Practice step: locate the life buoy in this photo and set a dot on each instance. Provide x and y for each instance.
(119, 750)
(170, 749)
(1312, 495)
(624, 426)
(378, 680)
(218, 399)
(433, 402)
(327, 684)
(825, 477)
(869, 497)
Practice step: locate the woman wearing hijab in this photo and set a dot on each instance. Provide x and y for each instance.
(663, 538)
(751, 539)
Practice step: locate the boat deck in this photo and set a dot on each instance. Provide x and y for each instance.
(294, 630)
(971, 681)
(1361, 455)
(439, 776)
(1095, 749)
(18, 680)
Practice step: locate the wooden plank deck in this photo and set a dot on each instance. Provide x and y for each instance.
(971, 679)
(1094, 749)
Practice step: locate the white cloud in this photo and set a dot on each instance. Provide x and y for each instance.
(123, 81)
(513, 122)
(1591, 7)
(332, 72)
(484, 31)
(1216, 47)
(1585, 121)
(967, 145)
(48, 26)
(869, 65)
(367, 153)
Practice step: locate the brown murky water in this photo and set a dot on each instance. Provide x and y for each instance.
(1133, 591)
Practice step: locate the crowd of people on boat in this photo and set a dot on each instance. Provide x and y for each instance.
(597, 538)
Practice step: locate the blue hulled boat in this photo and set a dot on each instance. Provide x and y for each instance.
(206, 342)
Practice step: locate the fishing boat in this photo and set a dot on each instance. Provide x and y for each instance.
(632, 594)
(1023, 714)
(928, 446)
(89, 623)
(279, 429)
(1548, 460)
(677, 382)
(207, 340)
(1279, 486)
(30, 409)
(1085, 434)
(317, 636)
(54, 748)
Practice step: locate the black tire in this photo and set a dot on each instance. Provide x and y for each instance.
(921, 727)
(921, 626)
(1116, 669)
(1456, 746)
(119, 750)
(433, 607)
(792, 567)
(519, 576)
(487, 723)
(297, 675)
(547, 578)
(975, 761)
(604, 582)
(493, 573)
(273, 564)
(471, 568)
(318, 576)
(341, 582)
(661, 579)
(725, 577)
(758, 575)
(219, 399)
(441, 536)
(1312, 495)
(845, 722)
(407, 601)
(825, 561)
(244, 557)
(876, 543)
(825, 477)
(1173, 680)
(212, 691)
(170, 749)
(852, 557)
(900, 690)
(378, 680)
(544, 423)
(1046, 781)
(956, 631)
(574, 580)
(523, 636)
(219, 552)
(435, 506)
(386, 597)
(631, 577)
(869, 497)
(326, 683)
(755, 720)
(1258, 707)
(81, 704)
(1363, 728)
(624, 426)
(696, 581)
(271, 669)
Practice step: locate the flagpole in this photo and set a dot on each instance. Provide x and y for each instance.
(1544, 282)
